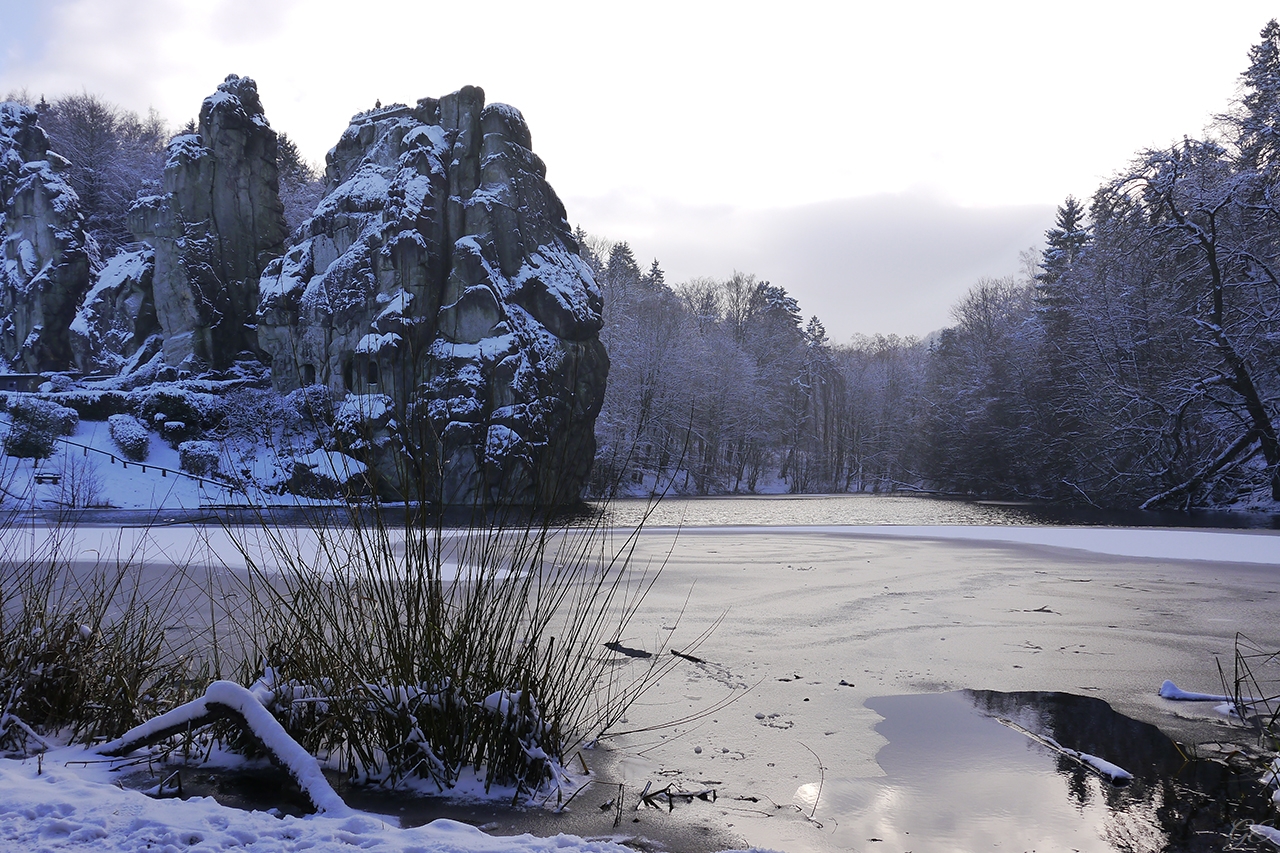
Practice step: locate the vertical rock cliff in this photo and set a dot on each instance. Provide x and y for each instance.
(439, 286)
(44, 256)
(215, 229)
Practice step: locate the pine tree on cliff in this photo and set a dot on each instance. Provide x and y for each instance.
(1257, 121)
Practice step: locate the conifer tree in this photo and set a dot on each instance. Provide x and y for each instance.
(1257, 121)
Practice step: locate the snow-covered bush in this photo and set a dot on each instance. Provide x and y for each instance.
(130, 436)
(34, 424)
(83, 657)
(175, 432)
(314, 404)
(172, 402)
(443, 681)
(198, 457)
(363, 421)
(95, 404)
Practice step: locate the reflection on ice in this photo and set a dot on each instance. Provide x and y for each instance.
(962, 774)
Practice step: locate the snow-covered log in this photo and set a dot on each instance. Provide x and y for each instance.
(226, 699)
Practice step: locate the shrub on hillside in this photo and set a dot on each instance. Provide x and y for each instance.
(130, 436)
(34, 424)
(175, 433)
(196, 409)
(314, 404)
(198, 457)
(94, 404)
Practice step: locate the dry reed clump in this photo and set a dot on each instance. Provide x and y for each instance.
(407, 649)
(84, 650)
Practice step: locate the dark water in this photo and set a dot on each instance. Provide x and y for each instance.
(970, 770)
(973, 770)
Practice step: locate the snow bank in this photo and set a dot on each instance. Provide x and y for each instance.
(50, 805)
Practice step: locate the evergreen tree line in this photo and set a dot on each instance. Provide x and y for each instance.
(1134, 362)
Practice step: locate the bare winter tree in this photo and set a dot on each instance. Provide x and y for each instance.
(115, 156)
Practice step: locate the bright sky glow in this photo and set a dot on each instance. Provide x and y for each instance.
(661, 121)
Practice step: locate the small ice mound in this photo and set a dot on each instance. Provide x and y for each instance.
(1169, 690)
(1267, 832)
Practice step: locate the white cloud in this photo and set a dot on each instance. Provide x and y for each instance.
(879, 264)
(747, 118)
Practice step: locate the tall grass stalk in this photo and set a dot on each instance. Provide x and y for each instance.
(86, 646)
(408, 648)
(1255, 689)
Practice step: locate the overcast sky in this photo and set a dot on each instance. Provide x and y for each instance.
(875, 159)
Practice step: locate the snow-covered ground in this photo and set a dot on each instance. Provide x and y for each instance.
(92, 471)
(89, 470)
(57, 803)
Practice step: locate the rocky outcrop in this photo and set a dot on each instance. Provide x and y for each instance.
(215, 229)
(118, 314)
(45, 256)
(438, 286)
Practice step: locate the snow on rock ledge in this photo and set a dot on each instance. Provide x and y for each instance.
(439, 270)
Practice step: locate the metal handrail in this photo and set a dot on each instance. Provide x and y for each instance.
(125, 463)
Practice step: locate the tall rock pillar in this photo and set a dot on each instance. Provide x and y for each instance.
(215, 229)
(44, 255)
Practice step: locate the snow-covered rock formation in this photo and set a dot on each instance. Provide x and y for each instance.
(44, 256)
(118, 315)
(215, 228)
(439, 285)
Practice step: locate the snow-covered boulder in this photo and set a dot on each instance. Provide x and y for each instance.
(218, 223)
(326, 474)
(44, 253)
(439, 271)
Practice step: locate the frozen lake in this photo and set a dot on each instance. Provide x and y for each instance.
(819, 624)
(823, 707)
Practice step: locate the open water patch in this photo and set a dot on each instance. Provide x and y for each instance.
(982, 770)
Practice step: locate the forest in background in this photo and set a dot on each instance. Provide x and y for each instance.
(1133, 361)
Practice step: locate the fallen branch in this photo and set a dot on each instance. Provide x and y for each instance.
(1114, 774)
(227, 700)
(650, 798)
